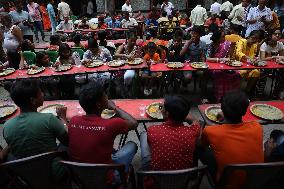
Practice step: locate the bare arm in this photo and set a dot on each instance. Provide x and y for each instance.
(119, 53)
(132, 123)
(185, 48)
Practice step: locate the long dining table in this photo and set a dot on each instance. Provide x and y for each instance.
(161, 67)
(248, 116)
(75, 70)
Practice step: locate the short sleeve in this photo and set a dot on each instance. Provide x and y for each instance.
(250, 14)
(263, 47)
(118, 126)
(56, 126)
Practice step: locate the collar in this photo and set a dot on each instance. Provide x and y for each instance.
(198, 5)
(173, 124)
(262, 9)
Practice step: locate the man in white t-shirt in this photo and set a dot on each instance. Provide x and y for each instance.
(215, 8)
(126, 7)
(63, 10)
(167, 7)
(90, 8)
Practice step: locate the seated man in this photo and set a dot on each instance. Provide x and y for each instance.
(98, 133)
(65, 25)
(113, 23)
(128, 22)
(84, 24)
(101, 23)
(170, 146)
(31, 132)
(234, 141)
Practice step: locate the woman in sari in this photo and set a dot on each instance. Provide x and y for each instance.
(218, 52)
(45, 17)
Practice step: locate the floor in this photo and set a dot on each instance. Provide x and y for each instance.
(195, 99)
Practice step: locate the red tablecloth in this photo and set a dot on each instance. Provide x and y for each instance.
(249, 116)
(136, 108)
(92, 30)
(21, 74)
(161, 67)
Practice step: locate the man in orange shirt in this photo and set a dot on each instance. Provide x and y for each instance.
(235, 141)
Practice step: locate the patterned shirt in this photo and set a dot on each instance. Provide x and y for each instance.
(198, 16)
(238, 11)
(256, 13)
(172, 145)
(129, 23)
(226, 6)
(34, 11)
(104, 55)
(215, 8)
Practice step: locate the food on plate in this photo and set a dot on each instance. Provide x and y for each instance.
(266, 111)
(199, 65)
(107, 114)
(154, 110)
(175, 65)
(7, 71)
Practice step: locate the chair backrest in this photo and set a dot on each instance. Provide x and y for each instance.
(73, 18)
(53, 55)
(29, 57)
(79, 50)
(256, 176)
(176, 179)
(95, 176)
(36, 170)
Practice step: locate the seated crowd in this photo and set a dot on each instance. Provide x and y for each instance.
(180, 141)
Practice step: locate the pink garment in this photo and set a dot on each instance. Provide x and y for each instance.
(224, 81)
(34, 11)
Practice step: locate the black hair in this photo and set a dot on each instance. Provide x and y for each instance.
(198, 29)
(153, 32)
(177, 106)
(39, 57)
(234, 106)
(235, 28)
(22, 91)
(92, 43)
(14, 59)
(178, 34)
(77, 38)
(275, 134)
(55, 40)
(151, 45)
(213, 27)
(63, 47)
(102, 34)
(26, 46)
(164, 14)
(216, 36)
(89, 95)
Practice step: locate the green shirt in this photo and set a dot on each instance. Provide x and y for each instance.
(32, 133)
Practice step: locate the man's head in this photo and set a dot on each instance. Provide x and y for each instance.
(261, 4)
(234, 29)
(164, 14)
(245, 3)
(253, 37)
(176, 108)
(127, 2)
(27, 94)
(66, 19)
(152, 48)
(177, 41)
(29, 2)
(196, 34)
(234, 106)
(126, 15)
(19, 6)
(93, 98)
(51, 1)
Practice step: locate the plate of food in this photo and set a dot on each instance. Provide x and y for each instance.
(116, 63)
(266, 111)
(259, 63)
(107, 114)
(35, 70)
(136, 61)
(7, 71)
(234, 63)
(6, 110)
(280, 61)
(199, 65)
(214, 113)
(51, 109)
(94, 63)
(63, 68)
(175, 65)
(154, 110)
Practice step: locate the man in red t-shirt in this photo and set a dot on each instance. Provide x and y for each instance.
(91, 137)
(170, 146)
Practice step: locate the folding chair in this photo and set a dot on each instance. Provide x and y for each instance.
(256, 176)
(176, 179)
(35, 171)
(53, 55)
(29, 57)
(95, 176)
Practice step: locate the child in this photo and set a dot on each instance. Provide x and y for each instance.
(77, 41)
(42, 59)
(55, 42)
(170, 25)
(65, 55)
(151, 57)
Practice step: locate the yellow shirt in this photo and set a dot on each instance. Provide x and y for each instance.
(170, 26)
(233, 38)
(243, 50)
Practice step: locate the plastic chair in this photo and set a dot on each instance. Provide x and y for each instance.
(79, 50)
(94, 176)
(176, 179)
(256, 176)
(53, 55)
(29, 57)
(35, 171)
(74, 18)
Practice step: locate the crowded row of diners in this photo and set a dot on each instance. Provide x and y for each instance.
(180, 92)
